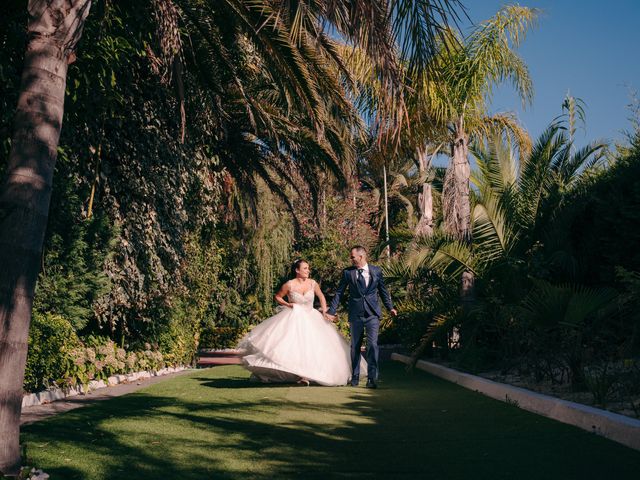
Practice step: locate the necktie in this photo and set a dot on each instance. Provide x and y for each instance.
(361, 283)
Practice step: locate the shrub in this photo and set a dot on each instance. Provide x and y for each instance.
(58, 357)
(179, 336)
(220, 337)
(52, 339)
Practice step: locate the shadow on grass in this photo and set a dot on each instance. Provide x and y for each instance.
(239, 383)
(218, 425)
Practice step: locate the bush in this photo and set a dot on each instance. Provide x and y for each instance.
(57, 357)
(602, 223)
(220, 337)
(75, 251)
(178, 337)
(52, 338)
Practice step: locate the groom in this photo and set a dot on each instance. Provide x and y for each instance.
(364, 282)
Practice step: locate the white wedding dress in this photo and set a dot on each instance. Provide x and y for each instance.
(298, 342)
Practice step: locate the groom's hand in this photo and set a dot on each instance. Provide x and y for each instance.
(394, 312)
(331, 317)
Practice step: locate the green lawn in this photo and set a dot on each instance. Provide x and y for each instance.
(215, 424)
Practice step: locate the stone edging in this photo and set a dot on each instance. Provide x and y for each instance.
(610, 425)
(53, 394)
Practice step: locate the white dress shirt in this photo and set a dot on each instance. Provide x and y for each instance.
(366, 274)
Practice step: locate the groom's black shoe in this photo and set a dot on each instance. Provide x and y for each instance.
(371, 383)
(355, 381)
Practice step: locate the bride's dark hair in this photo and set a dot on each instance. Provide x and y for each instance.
(295, 266)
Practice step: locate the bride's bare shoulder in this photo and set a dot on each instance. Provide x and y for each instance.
(285, 287)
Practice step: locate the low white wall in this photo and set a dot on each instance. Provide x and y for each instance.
(53, 394)
(615, 427)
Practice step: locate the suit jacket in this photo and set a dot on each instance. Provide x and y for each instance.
(362, 302)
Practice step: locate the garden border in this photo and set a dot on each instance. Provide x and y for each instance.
(53, 394)
(610, 425)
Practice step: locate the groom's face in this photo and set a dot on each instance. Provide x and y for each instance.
(357, 259)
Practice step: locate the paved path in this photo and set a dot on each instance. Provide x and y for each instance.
(39, 412)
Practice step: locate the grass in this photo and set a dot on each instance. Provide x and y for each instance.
(215, 424)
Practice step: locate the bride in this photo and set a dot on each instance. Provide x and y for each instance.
(298, 344)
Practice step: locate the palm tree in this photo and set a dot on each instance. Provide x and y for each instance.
(513, 211)
(401, 174)
(473, 66)
(25, 196)
(428, 173)
(515, 202)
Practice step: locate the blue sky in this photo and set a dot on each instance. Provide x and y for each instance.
(587, 47)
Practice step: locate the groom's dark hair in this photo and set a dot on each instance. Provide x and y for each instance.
(359, 248)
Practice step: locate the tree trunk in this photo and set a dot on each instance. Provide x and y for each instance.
(457, 209)
(386, 214)
(457, 206)
(54, 28)
(425, 199)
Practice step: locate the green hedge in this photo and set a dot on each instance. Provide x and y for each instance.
(220, 337)
(58, 357)
(52, 338)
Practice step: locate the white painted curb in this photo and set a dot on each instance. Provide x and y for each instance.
(53, 394)
(610, 425)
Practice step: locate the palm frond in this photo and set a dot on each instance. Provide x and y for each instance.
(493, 233)
(497, 168)
(585, 158)
(568, 305)
(505, 124)
(453, 258)
(440, 326)
(535, 180)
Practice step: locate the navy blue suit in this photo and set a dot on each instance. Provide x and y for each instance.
(364, 314)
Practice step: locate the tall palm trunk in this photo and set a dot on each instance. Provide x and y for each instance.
(425, 198)
(54, 28)
(455, 192)
(456, 201)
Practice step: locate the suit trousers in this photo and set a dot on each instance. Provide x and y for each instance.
(359, 325)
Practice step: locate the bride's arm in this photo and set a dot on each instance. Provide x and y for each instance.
(278, 297)
(320, 295)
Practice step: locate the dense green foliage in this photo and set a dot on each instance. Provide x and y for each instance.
(59, 358)
(73, 279)
(603, 219)
(51, 341)
(553, 253)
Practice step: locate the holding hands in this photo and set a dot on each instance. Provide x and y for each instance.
(327, 316)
